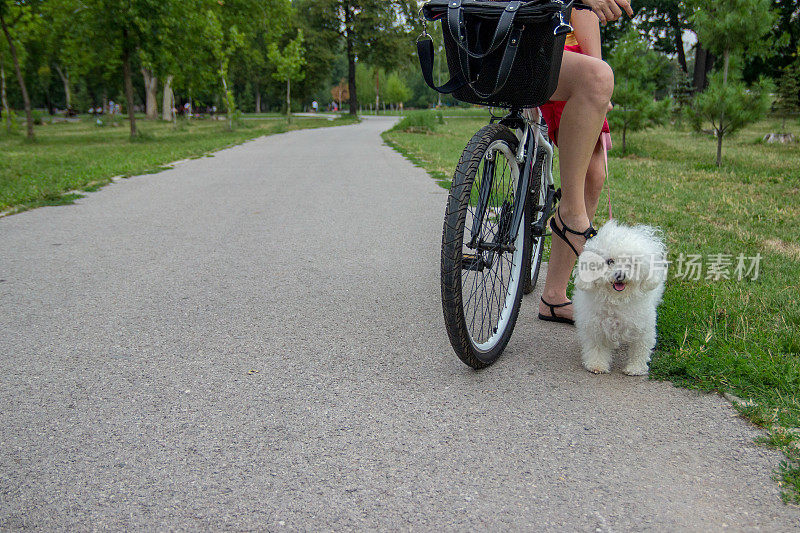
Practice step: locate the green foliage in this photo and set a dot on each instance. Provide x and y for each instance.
(789, 92)
(732, 26)
(637, 71)
(365, 82)
(289, 62)
(396, 90)
(727, 103)
(729, 107)
(663, 23)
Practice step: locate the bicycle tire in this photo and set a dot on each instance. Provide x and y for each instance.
(467, 340)
(535, 243)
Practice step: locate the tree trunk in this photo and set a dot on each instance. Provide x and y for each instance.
(126, 73)
(703, 62)
(351, 59)
(289, 100)
(168, 101)
(67, 90)
(624, 138)
(150, 91)
(25, 98)
(377, 91)
(677, 35)
(721, 130)
(258, 100)
(6, 109)
(229, 102)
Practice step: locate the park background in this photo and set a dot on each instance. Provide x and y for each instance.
(706, 110)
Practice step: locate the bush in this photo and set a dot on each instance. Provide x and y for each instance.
(420, 122)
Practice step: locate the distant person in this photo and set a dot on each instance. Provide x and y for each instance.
(314, 106)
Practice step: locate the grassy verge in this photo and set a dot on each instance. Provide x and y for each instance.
(739, 337)
(82, 156)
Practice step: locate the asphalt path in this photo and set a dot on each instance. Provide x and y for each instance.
(255, 341)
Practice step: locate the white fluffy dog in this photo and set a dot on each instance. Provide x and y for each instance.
(619, 284)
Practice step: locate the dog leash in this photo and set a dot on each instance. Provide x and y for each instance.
(606, 137)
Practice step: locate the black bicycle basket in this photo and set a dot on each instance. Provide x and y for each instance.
(501, 54)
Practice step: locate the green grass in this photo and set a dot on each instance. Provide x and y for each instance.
(731, 336)
(83, 157)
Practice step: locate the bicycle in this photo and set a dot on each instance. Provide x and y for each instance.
(494, 232)
(502, 194)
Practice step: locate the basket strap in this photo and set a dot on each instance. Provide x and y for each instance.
(426, 58)
(426, 54)
(458, 31)
(455, 23)
(504, 71)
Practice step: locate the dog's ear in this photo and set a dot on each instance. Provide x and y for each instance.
(588, 270)
(581, 283)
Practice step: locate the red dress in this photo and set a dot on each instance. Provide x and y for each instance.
(551, 111)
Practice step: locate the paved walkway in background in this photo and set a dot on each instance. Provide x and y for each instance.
(255, 341)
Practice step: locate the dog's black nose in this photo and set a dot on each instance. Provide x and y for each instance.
(619, 276)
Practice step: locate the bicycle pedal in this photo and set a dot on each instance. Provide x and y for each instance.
(472, 262)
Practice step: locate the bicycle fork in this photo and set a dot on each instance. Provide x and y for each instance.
(507, 228)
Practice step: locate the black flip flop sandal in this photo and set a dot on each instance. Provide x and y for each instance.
(562, 232)
(553, 317)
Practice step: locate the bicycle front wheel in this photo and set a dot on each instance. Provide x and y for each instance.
(481, 259)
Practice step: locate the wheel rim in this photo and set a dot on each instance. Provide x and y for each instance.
(489, 295)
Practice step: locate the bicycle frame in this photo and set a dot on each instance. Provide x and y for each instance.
(531, 131)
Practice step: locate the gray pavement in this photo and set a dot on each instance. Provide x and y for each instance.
(255, 341)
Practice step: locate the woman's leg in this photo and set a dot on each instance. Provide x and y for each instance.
(595, 177)
(586, 84)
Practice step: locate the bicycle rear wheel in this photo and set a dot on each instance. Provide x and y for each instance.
(481, 261)
(535, 209)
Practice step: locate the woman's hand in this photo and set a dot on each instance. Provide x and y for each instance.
(609, 10)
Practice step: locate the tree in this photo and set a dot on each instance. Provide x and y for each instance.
(289, 66)
(4, 97)
(340, 92)
(396, 91)
(12, 13)
(789, 92)
(223, 45)
(365, 83)
(121, 30)
(664, 22)
(323, 48)
(729, 106)
(784, 39)
(373, 31)
(719, 25)
(636, 68)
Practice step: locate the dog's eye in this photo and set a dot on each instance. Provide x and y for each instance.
(609, 262)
